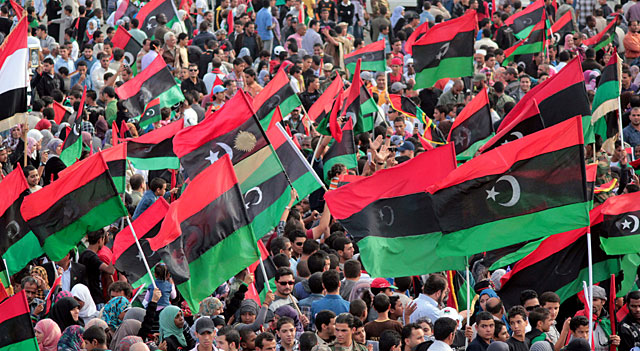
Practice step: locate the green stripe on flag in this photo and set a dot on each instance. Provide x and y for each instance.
(120, 183)
(471, 151)
(525, 32)
(24, 345)
(523, 50)
(22, 252)
(629, 266)
(267, 169)
(71, 154)
(204, 280)
(285, 108)
(601, 271)
(57, 246)
(405, 256)
(516, 256)
(306, 184)
(616, 245)
(349, 160)
(376, 66)
(528, 226)
(603, 43)
(451, 67)
(155, 163)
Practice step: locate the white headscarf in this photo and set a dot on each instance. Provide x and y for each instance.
(89, 310)
(396, 16)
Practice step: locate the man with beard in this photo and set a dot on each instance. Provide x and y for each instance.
(630, 325)
(429, 302)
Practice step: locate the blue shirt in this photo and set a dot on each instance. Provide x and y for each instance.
(263, 21)
(631, 135)
(89, 62)
(147, 200)
(334, 303)
(425, 307)
(60, 62)
(75, 79)
(425, 16)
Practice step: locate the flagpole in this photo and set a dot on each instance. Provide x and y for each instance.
(138, 293)
(590, 260)
(6, 268)
(144, 259)
(264, 272)
(313, 156)
(466, 341)
(620, 123)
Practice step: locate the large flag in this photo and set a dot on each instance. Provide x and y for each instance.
(148, 13)
(61, 213)
(562, 260)
(116, 159)
(473, 127)
(445, 51)
(15, 324)
(415, 36)
(563, 26)
(123, 40)
(359, 105)
(372, 57)
(381, 212)
(605, 37)
(234, 130)
(278, 92)
(527, 189)
(303, 178)
(18, 245)
(528, 121)
(535, 42)
(344, 152)
(206, 227)
(506, 256)
(322, 107)
(72, 146)
(14, 77)
(552, 96)
(607, 94)
(522, 22)
(621, 234)
(156, 81)
(154, 150)
(126, 256)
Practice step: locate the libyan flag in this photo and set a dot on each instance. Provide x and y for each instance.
(522, 22)
(372, 57)
(278, 92)
(472, 128)
(605, 37)
(343, 152)
(126, 256)
(535, 42)
(445, 51)
(18, 245)
(148, 13)
(621, 234)
(527, 189)
(72, 145)
(607, 94)
(123, 40)
(528, 121)
(392, 218)
(155, 82)
(61, 213)
(321, 109)
(15, 324)
(116, 159)
(154, 150)
(560, 264)
(207, 227)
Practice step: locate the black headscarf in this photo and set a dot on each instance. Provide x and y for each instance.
(61, 312)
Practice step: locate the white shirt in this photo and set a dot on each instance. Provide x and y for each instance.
(97, 77)
(439, 346)
(66, 279)
(425, 307)
(201, 5)
(148, 58)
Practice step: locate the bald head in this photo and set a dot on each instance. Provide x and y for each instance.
(494, 306)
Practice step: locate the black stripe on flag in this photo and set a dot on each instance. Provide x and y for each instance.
(275, 100)
(432, 54)
(146, 150)
(16, 329)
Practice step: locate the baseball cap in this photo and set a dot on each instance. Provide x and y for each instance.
(397, 87)
(327, 67)
(599, 293)
(407, 145)
(219, 89)
(381, 283)
(366, 75)
(278, 49)
(396, 61)
(479, 77)
(396, 140)
(450, 312)
(204, 324)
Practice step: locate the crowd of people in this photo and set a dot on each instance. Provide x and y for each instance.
(323, 298)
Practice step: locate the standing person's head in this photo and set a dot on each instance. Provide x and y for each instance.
(381, 303)
(47, 333)
(517, 318)
(228, 339)
(412, 336)
(485, 326)
(599, 299)
(550, 301)
(500, 332)
(358, 308)
(266, 342)
(579, 326)
(390, 340)
(205, 332)
(344, 330)
(540, 319)
(444, 329)
(331, 281)
(633, 303)
(326, 324)
(529, 300)
(284, 281)
(247, 339)
(286, 330)
(158, 186)
(436, 287)
(95, 338)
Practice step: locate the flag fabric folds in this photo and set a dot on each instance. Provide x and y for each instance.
(148, 13)
(322, 107)
(344, 152)
(61, 213)
(528, 121)
(156, 81)
(522, 22)
(154, 150)
(527, 189)
(445, 51)
(563, 26)
(372, 57)
(472, 127)
(278, 92)
(126, 256)
(607, 94)
(380, 212)
(621, 234)
(415, 36)
(206, 227)
(15, 324)
(72, 145)
(116, 159)
(123, 40)
(535, 42)
(605, 37)
(14, 77)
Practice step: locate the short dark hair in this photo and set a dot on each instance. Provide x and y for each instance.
(231, 335)
(381, 303)
(315, 283)
(308, 340)
(389, 339)
(443, 327)
(340, 242)
(323, 317)
(577, 322)
(498, 326)
(537, 315)
(94, 236)
(277, 244)
(632, 295)
(266, 336)
(516, 311)
(345, 318)
(309, 247)
(352, 269)
(331, 280)
(157, 183)
(436, 282)
(407, 330)
(284, 320)
(483, 316)
(316, 261)
(548, 296)
(281, 272)
(357, 308)
(494, 308)
(527, 295)
(95, 333)
(121, 286)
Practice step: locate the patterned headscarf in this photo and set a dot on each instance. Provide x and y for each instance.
(40, 271)
(71, 339)
(51, 332)
(11, 141)
(112, 310)
(209, 307)
(61, 294)
(125, 344)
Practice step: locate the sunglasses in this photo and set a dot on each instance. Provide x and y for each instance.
(287, 283)
(299, 243)
(193, 70)
(531, 308)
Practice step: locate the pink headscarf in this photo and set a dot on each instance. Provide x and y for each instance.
(568, 42)
(51, 332)
(31, 147)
